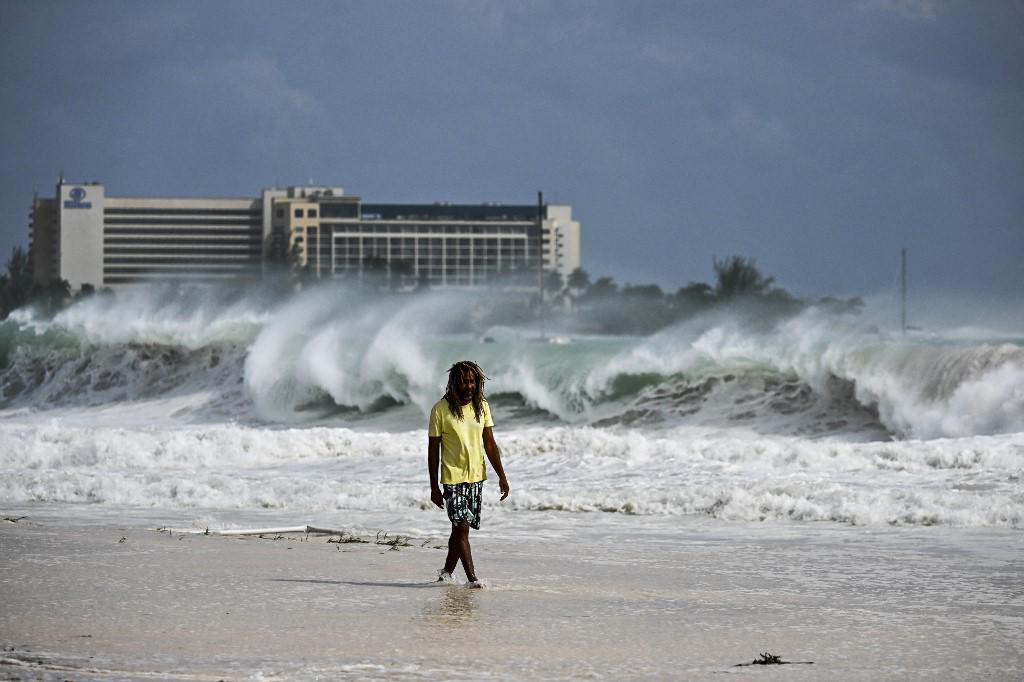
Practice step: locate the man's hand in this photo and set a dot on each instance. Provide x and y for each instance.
(433, 460)
(494, 455)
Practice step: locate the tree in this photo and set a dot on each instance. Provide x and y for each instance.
(553, 283)
(737, 276)
(578, 280)
(85, 291)
(274, 250)
(16, 285)
(643, 291)
(697, 294)
(52, 296)
(604, 287)
(694, 298)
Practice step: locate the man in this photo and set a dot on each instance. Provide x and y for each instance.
(459, 433)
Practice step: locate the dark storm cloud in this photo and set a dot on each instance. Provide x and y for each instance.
(818, 138)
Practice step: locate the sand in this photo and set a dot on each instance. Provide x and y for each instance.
(122, 601)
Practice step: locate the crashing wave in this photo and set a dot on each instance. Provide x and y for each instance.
(334, 354)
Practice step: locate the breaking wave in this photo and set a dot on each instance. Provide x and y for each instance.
(186, 399)
(334, 354)
(970, 482)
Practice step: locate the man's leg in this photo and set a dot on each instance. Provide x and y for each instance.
(459, 550)
(454, 553)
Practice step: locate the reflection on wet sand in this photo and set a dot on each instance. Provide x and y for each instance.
(456, 607)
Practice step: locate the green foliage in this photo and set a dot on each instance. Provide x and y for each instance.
(50, 298)
(603, 288)
(598, 306)
(650, 292)
(737, 276)
(85, 292)
(696, 293)
(643, 308)
(553, 283)
(16, 284)
(578, 280)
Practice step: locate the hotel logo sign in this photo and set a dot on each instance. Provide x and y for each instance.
(77, 194)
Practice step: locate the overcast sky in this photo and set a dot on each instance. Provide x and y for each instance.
(816, 137)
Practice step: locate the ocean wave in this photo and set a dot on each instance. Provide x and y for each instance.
(973, 482)
(334, 353)
(74, 376)
(189, 316)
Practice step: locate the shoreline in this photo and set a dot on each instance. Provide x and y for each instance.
(116, 601)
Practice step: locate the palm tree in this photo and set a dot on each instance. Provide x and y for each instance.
(738, 276)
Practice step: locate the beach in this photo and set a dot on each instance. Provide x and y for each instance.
(626, 600)
(812, 489)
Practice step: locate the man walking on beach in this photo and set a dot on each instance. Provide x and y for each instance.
(459, 433)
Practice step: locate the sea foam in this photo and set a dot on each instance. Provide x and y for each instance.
(728, 474)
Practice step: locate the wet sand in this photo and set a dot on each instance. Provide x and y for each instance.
(109, 601)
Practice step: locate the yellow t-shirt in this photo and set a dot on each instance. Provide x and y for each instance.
(462, 442)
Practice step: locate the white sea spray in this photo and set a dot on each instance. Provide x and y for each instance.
(733, 475)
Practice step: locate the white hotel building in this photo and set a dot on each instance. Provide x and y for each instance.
(86, 237)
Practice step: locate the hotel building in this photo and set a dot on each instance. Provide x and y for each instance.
(86, 237)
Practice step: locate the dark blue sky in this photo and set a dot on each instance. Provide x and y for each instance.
(815, 137)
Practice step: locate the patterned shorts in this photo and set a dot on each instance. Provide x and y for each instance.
(463, 502)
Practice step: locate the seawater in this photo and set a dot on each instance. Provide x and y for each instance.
(241, 409)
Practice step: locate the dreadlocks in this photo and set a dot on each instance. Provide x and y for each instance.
(451, 394)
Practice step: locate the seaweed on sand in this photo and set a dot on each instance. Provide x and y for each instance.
(768, 658)
(394, 543)
(345, 539)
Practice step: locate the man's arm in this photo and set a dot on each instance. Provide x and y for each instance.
(494, 457)
(433, 462)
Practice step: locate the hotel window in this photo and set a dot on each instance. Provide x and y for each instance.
(280, 213)
(298, 213)
(312, 213)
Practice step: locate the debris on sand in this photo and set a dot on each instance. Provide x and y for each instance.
(768, 658)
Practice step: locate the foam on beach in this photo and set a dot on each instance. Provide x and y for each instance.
(966, 482)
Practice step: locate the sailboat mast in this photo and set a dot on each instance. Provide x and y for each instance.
(903, 290)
